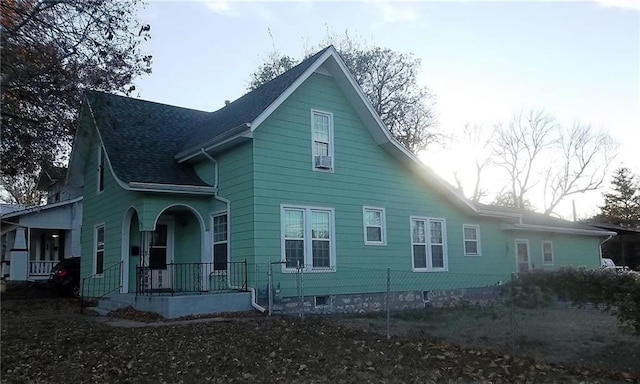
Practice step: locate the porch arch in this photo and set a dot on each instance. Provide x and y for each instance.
(128, 250)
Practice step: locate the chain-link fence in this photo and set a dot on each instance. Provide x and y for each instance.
(474, 310)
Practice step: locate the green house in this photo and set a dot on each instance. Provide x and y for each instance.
(299, 177)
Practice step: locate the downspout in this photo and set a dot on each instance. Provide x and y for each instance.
(254, 301)
(215, 172)
(602, 243)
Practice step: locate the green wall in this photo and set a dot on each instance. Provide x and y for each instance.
(366, 175)
(275, 168)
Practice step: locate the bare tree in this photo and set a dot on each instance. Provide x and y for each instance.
(586, 158)
(518, 146)
(21, 189)
(387, 77)
(477, 145)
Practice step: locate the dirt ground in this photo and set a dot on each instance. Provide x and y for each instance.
(578, 337)
(46, 340)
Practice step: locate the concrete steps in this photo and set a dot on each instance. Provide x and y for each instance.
(111, 303)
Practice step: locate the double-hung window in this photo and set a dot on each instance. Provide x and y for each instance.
(471, 235)
(429, 244)
(322, 140)
(547, 253)
(220, 242)
(307, 238)
(374, 226)
(98, 247)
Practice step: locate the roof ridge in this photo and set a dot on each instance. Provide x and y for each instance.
(309, 59)
(129, 98)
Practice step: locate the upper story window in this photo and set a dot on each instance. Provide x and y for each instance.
(429, 244)
(374, 226)
(307, 239)
(547, 253)
(322, 140)
(100, 170)
(471, 235)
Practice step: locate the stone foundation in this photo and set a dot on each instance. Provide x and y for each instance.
(377, 301)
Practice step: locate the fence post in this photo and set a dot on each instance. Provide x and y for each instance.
(302, 293)
(388, 302)
(513, 315)
(245, 283)
(270, 287)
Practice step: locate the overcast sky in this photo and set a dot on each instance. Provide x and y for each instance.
(482, 60)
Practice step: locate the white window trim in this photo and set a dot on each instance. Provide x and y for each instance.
(544, 262)
(213, 241)
(522, 241)
(383, 226)
(429, 267)
(331, 139)
(308, 253)
(464, 240)
(102, 161)
(95, 249)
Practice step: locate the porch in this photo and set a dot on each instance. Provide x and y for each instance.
(173, 290)
(171, 307)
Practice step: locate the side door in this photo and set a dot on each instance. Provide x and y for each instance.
(522, 256)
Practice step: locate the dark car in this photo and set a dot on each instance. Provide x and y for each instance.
(65, 277)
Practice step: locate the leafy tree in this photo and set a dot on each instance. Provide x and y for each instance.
(622, 205)
(51, 51)
(387, 77)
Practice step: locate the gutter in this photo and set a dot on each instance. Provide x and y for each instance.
(543, 228)
(155, 187)
(254, 301)
(231, 134)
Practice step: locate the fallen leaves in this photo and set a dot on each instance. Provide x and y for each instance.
(41, 344)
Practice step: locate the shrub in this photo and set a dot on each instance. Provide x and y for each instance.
(616, 291)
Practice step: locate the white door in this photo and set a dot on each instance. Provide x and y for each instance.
(522, 256)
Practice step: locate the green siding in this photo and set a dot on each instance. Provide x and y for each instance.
(275, 168)
(366, 175)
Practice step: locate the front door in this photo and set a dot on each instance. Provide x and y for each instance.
(522, 255)
(160, 257)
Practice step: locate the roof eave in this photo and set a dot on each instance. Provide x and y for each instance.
(547, 228)
(171, 188)
(39, 208)
(242, 131)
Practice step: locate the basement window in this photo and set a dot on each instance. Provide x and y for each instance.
(323, 301)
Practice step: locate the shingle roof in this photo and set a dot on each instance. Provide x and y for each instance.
(533, 218)
(245, 109)
(142, 138)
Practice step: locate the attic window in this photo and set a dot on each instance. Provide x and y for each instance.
(322, 140)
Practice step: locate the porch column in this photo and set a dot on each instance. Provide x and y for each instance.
(19, 268)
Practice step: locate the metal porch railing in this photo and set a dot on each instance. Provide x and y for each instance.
(101, 284)
(182, 278)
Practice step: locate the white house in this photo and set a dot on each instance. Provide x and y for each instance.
(35, 238)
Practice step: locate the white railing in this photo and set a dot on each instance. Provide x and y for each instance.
(41, 268)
